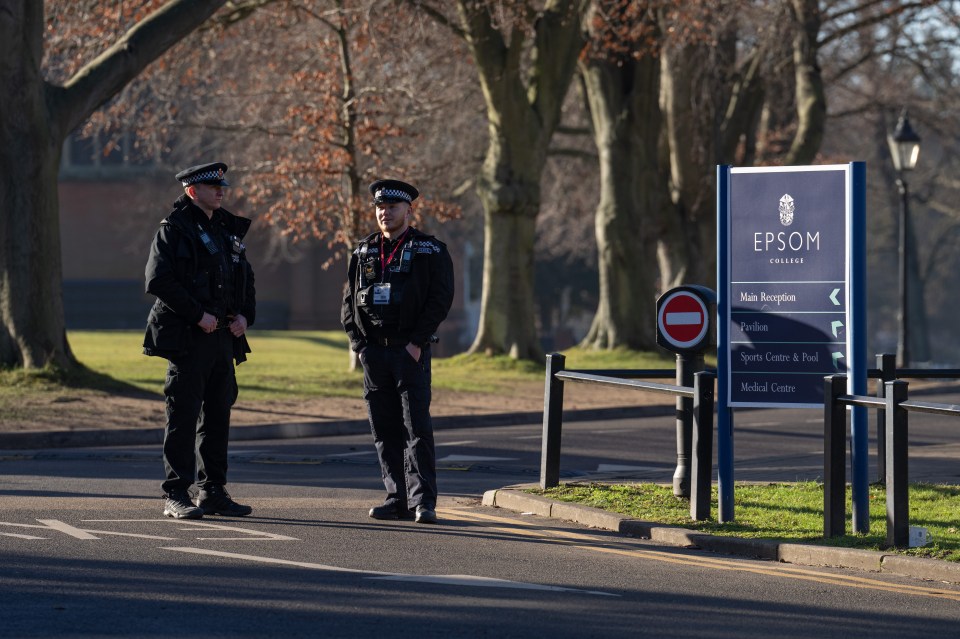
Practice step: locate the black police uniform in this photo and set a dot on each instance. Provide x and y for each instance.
(419, 272)
(198, 265)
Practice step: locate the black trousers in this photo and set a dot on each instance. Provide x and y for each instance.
(397, 390)
(200, 389)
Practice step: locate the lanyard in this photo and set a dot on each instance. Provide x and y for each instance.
(385, 261)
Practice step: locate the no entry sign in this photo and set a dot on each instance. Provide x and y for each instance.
(684, 318)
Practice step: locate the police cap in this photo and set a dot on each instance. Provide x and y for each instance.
(393, 191)
(211, 173)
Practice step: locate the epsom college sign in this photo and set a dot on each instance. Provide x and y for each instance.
(791, 297)
(788, 288)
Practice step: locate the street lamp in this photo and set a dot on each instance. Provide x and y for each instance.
(904, 149)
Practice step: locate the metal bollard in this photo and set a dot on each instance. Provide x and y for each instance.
(688, 364)
(702, 445)
(834, 449)
(552, 423)
(898, 498)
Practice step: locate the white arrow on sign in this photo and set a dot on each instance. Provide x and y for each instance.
(836, 324)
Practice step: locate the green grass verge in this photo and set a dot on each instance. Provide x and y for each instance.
(781, 512)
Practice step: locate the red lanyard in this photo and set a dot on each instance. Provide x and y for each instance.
(385, 262)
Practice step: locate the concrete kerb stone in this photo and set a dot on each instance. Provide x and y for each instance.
(868, 560)
(807, 555)
(922, 568)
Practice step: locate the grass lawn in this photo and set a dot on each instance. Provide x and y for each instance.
(782, 512)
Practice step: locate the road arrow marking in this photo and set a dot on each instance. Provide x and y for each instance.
(833, 297)
(835, 325)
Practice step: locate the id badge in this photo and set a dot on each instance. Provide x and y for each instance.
(381, 293)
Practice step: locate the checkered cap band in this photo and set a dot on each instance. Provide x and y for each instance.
(203, 177)
(393, 194)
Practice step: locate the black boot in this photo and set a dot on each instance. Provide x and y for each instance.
(215, 500)
(391, 510)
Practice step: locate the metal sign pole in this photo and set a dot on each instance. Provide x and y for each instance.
(857, 358)
(725, 510)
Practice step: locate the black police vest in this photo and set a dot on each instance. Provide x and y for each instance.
(219, 261)
(381, 281)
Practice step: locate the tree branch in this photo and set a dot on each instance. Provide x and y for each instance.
(110, 72)
(871, 20)
(437, 16)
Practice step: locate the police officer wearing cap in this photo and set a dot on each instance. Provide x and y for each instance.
(204, 285)
(399, 289)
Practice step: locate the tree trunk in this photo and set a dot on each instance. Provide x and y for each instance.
(37, 117)
(687, 251)
(506, 304)
(523, 110)
(810, 97)
(626, 117)
(33, 332)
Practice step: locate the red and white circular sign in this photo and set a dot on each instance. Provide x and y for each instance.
(682, 320)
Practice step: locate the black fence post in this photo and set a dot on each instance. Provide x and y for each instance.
(702, 445)
(552, 423)
(834, 445)
(887, 363)
(898, 499)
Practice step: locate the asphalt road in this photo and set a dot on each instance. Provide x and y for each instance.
(85, 551)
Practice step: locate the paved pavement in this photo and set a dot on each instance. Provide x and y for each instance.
(513, 498)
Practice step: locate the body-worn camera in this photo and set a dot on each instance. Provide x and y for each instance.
(365, 296)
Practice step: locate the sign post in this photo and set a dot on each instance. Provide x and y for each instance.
(685, 326)
(791, 299)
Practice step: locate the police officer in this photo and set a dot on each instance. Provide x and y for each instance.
(399, 289)
(204, 285)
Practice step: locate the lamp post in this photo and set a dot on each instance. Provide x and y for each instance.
(904, 149)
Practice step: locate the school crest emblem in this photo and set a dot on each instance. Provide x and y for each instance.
(786, 210)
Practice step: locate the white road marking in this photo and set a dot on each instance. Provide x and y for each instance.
(67, 529)
(186, 524)
(452, 580)
(486, 582)
(269, 560)
(255, 535)
(463, 443)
